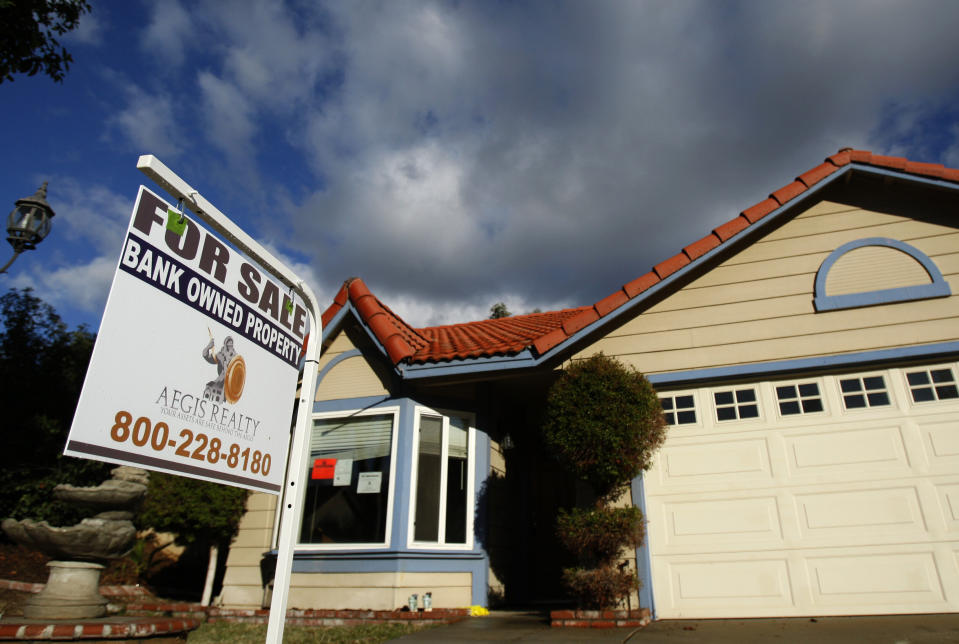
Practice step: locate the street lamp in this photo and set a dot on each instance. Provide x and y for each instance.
(28, 223)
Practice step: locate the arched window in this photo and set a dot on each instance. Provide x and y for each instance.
(876, 270)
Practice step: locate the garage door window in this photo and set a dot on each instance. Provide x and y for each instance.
(868, 391)
(801, 398)
(679, 410)
(930, 385)
(736, 404)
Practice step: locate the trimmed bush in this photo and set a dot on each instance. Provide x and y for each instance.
(599, 588)
(599, 535)
(604, 423)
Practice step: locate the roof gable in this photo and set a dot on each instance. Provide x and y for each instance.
(540, 336)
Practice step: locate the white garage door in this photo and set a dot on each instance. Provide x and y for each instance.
(825, 495)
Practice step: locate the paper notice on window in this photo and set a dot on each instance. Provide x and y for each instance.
(343, 472)
(369, 483)
(323, 468)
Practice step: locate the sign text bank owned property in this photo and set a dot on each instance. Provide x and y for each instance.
(210, 347)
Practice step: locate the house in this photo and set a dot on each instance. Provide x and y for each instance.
(805, 353)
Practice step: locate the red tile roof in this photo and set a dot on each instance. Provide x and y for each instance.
(543, 331)
(484, 338)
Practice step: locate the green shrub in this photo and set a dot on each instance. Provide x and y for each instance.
(598, 588)
(604, 422)
(196, 511)
(597, 536)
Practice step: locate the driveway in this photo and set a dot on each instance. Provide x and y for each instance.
(518, 626)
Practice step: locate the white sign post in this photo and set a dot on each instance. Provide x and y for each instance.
(195, 366)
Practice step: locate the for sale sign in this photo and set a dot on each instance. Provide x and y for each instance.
(195, 365)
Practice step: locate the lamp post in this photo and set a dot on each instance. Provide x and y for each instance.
(28, 223)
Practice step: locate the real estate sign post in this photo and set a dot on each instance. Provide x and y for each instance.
(194, 371)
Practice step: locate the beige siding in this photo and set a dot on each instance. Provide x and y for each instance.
(628, 554)
(758, 305)
(498, 522)
(378, 590)
(350, 378)
(338, 345)
(497, 459)
(242, 585)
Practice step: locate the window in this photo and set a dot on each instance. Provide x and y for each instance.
(679, 410)
(932, 384)
(736, 404)
(348, 474)
(801, 398)
(868, 391)
(443, 484)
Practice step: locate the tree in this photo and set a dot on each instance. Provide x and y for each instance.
(42, 367)
(28, 36)
(499, 310)
(604, 423)
(199, 513)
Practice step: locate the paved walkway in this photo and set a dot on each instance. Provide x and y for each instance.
(515, 626)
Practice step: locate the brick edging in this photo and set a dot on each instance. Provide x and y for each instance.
(599, 618)
(298, 616)
(98, 630)
(23, 586)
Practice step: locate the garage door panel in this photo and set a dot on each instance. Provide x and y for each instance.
(894, 579)
(720, 585)
(847, 452)
(697, 464)
(861, 515)
(754, 521)
(948, 495)
(941, 440)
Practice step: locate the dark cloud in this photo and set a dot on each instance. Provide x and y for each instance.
(544, 153)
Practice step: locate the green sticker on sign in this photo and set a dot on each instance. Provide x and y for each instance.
(175, 221)
(289, 306)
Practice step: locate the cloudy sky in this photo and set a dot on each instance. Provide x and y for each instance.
(454, 153)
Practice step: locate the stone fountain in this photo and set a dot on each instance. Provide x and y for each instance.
(80, 551)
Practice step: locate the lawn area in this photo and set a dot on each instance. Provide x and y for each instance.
(255, 633)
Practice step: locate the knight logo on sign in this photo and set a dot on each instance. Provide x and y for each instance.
(195, 365)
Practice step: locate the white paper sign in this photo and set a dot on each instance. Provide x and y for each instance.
(195, 365)
(343, 472)
(369, 483)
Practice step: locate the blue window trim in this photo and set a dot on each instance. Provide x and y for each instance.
(938, 287)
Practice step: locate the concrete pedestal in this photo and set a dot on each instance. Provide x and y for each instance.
(72, 592)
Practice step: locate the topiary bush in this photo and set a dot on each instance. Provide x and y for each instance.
(598, 535)
(603, 421)
(602, 587)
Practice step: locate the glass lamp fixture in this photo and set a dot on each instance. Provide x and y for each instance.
(28, 223)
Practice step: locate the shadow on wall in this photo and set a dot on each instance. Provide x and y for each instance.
(492, 533)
